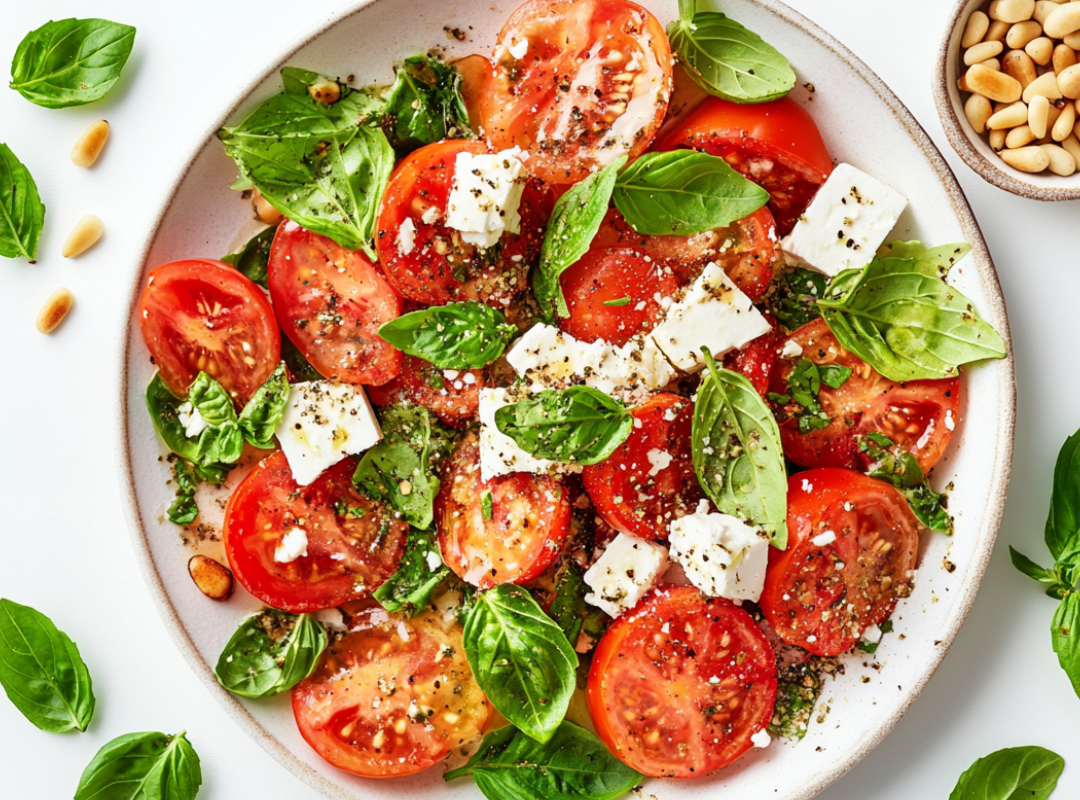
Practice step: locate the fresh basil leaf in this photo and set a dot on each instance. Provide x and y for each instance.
(22, 214)
(42, 672)
(902, 470)
(521, 659)
(941, 258)
(419, 575)
(295, 80)
(1063, 522)
(1057, 585)
(270, 653)
(580, 424)
(211, 400)
(466, 335)
(183, 509)
(253, 259)
(901, 318)
(142, 766)
(211, 473)
(726, 59)
(794, 299)
(736, 449)
(1016, 773)
(264, 410)
(569, 609)
(573, 765)
(425, 104)
(1066, 637)
(802, 401)
(216, 447)
(574, 222)
(299, 368)
(487, 505)
(622, 301)
(683, 192)
(71, 62)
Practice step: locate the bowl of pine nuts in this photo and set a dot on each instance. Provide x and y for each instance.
(1007, 88)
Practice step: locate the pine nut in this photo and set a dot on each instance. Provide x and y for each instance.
(211, 578)
(1041, 50)
(981, 52)
(54, 310)
(83, 236)
(1008, 117)
(1069, 82)
(995, 85)
(1072, 147)
(1073, 40)
(1026, 159)
(977, 26)
(1023, 32)
(264, 212)
(90, 144)
(1063, 126)
(1018, 64)
(325, 91)
(1063, 21)
(978, 111)
(997, 140)
(1061, 161)
(1046, 85)
(991, 63)
(1020, 137)
(962, 84)
(1038, 114)
(1015, 10)
(997, 31)
(1043, 10)
(1064, 57)
(993, 10)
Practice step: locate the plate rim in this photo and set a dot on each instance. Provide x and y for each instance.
(1003, 454)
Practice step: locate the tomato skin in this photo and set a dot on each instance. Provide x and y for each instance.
(757, 360)
(354, 709)
(456, 403)
(560, 101)
(917, 415)
(204, 315)
(348, 557)
(530, 521)
(811, 602)
(617, 485)
(776, 145)
(653, 667)
(331, 302)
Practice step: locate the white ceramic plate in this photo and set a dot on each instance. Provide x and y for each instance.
(862, 122)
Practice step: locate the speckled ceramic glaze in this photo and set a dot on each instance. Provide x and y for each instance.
(201, 217)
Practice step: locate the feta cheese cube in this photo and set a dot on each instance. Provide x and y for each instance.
(485, 195)
(722, 555)
(625, 571)
(293, 545)
(713, 313)
(191, 419)
(406, 237)
(848, 220)
(323, 423)
(499, 454)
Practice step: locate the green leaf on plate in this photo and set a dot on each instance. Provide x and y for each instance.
(425, 104)
(22, 214)
(253, 259)
(419, 575)
(270, 653)
(466, 335)
(142, 766)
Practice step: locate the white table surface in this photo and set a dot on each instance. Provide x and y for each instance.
(64, 546)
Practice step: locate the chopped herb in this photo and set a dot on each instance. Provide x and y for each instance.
(804, 386)
(622, 301)
(486, 508)
(902, 470)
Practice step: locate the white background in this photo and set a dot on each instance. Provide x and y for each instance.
(63, 542)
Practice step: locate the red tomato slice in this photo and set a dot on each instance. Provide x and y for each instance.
(776, 145)
(679, 684)
(919, 416)
(757, 360)
(592, 83)
(204, 316)
(392, 697)
(649, 480)
(353, 544)
(331, 302)
(529, 521)
(455, 400)
(824, 591)
(433, 266)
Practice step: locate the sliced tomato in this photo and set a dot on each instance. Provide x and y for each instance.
(431, 264)
(331, 302)
(353, 544)
(576, 84)
(649, 480)
(757, 360)
(392, 697)
(852, 546)
(204, 316)
(516, 538)
(918, 416)
(452, 395)
(679, 684)
(776, 145)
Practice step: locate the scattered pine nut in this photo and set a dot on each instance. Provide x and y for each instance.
(264, 212)
(213, 579)
(55, 309)
(90, 144)
(83, 236)
(325, 91)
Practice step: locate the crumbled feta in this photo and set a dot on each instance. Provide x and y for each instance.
(293, 545)
(761, 738)
(518, 48)
(722, 555)
(434, 560)
(406, 237)
(485, 195)
(950, 423)
(791, 349)
(499, 454)
(824, 539)
(873, 634)
(191, 419)
(659, 460)
(849, 218)
(625, 571)
(430, 215)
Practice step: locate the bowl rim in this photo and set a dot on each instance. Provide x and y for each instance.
(995, 309)
(957, 129)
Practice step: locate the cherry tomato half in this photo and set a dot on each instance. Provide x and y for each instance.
(758, 358)
(452, 395)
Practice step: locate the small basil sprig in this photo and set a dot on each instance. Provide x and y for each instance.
(425, 104)
(1016, 773)
(793, 300)
(581, 425)
(419, 575)
(466, 335)
(573, 765)
(71, 62)
(738, 458)
(726, 59)
(254, 258)
(902, 470)
(574, 222)
(142, 766)
(42, 672)
(263, 412)
(22, 214)
(803, 392)
(521, 659)
(270, 653)
(184, 509)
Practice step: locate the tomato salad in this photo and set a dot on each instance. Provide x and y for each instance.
(551, 391)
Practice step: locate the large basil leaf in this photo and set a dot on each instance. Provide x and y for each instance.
(253, 260)
(270, 653)
(142, 766)
(581, 425)
(574, 222)
(263, 412)
(684, 192)
(22, 214)
(42, 672)
(71, 62)
(573, 765)
(419, 575)
(738, 459)
(425, 104)
(1063, 522)
(183, 509)
(1016, 773)
(899, 316)
(1066, 637)
(466, 335)
(521, 659)
(726, 59)
(793, 300)
(942, 258)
